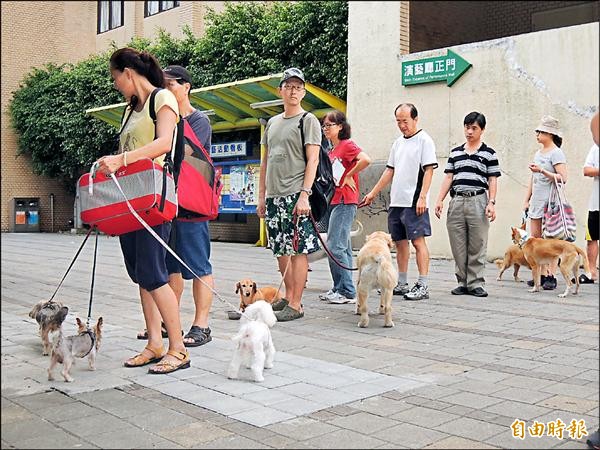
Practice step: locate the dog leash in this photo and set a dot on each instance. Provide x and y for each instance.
(89, 316)
(72, 262)
(166, 246)
(333, 258)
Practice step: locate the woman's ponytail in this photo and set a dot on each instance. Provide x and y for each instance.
(144, 63)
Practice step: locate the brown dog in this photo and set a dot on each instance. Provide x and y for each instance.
(512, 257)
(249, 293)
(538, 251)
(376, 270)
(49, 315)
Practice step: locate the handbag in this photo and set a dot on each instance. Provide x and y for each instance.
(559, 217)
(149, 188)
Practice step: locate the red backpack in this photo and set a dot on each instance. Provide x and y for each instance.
(197, 179)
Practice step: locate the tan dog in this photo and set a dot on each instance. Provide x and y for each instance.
(376, 270)
(512, 257)
(538, 251)
(249, 293)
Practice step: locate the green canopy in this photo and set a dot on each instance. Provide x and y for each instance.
(240, 104)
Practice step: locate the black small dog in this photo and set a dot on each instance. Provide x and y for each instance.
(49, 315)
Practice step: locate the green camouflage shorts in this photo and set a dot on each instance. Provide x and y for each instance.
(280, 227)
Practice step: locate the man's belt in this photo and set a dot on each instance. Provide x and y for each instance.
(467, 193)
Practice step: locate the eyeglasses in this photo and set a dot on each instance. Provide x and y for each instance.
(326, 126)
(292, 88)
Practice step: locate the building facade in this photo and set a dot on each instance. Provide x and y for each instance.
(39, 32)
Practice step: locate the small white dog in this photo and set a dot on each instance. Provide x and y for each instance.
(254, 346)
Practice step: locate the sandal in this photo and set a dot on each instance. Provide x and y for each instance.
(140, 359)
(200, 336)
(279, 304)
(144, 334)
(163, 330)
(288, 313)
(583, 279)
(164, 367)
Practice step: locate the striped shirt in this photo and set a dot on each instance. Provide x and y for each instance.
(471, 172)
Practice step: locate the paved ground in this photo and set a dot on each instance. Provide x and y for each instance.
(455, 372)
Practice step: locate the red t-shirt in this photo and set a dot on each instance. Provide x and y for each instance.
(346, 151)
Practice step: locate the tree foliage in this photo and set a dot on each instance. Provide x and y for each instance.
(246, 40)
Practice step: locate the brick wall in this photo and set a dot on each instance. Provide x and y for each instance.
(439, 24)
(38, 32)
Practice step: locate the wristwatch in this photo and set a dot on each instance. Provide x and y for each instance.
(493, 202)
(308, 191)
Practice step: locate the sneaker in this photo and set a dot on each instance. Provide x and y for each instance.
(543, 279)
(418, 292)
(288, 313)
(400, 289)
(340, 299)
(550, 283)
(327, 295)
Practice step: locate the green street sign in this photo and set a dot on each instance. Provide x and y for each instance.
(447, 68)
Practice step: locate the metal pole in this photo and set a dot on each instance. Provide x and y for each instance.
(52, 213)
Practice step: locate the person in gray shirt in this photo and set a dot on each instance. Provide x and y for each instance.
(287, 172)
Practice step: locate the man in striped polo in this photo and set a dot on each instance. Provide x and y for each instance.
(471, 178)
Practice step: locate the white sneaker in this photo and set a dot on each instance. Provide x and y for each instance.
(327, 295)
(340, 299)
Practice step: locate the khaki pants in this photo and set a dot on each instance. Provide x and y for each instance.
(468, 228)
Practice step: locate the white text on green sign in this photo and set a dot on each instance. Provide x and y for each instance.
(447, 68)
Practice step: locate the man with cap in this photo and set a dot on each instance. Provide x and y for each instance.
(287, 172)
(191, 239)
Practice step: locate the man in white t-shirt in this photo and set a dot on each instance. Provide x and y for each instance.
(590, 169)
(410, 170)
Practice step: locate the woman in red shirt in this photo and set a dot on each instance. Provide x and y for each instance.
(348, 160)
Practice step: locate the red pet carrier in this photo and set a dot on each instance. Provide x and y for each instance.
(149, 189)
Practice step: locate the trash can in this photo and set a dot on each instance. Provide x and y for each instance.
(25, 215)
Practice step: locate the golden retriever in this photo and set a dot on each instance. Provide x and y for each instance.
(376, 270)
(249, 293)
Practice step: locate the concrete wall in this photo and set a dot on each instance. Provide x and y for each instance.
(513, 81)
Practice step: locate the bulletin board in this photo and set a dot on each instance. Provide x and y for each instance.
(240, 186)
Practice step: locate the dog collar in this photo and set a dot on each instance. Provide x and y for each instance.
(524, 238)
(92, 337)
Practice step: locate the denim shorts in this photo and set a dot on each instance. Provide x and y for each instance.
(281, 228)
(145, 256)
(192, 245)
(403, 223)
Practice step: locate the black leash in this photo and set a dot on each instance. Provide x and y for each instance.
(333, 258)
(72, 262)
(89, 317)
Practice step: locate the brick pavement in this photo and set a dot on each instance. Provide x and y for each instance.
(455, 372)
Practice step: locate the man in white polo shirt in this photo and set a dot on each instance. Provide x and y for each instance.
(410, 170)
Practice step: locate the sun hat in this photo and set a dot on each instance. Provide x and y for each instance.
(292, 72)
(549, 125)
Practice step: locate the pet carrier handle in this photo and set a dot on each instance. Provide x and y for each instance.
(93, 171)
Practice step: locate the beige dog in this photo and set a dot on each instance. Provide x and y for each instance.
(249, 293)
(539, 252)
(512, 257)
(376, 270)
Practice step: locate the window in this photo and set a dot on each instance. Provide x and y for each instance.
(110, 15)
(156, 7)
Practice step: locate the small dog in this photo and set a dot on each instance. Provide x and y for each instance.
(376, 270)
(65, 349)
(321, 253)
(512, 257)
(249, 293)
(254, 346)
(48, 316)
(538, 251)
